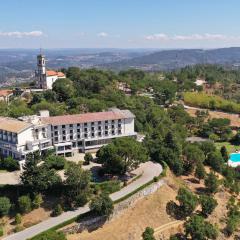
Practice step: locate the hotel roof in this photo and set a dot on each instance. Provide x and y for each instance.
(13, 125)
(88, 117)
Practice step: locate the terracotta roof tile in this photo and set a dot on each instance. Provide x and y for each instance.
(82, 118)
(54, 73)
(13, 125)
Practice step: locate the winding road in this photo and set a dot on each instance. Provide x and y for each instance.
(149, 170)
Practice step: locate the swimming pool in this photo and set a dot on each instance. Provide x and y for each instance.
(234, 160)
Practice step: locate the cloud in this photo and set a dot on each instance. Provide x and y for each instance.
(18, 34)
(193, 37)
(102, 34)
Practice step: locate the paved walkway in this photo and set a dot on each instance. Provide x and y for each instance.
(149, 170)
(11, 178)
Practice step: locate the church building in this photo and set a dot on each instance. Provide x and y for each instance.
(45, 78)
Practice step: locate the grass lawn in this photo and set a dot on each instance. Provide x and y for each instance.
(230, 148)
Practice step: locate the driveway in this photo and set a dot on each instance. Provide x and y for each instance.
(149, 170)
(10, 178)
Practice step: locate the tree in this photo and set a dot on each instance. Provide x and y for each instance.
(5, 206)
(224, 153)
(207, 147)
(215, 160)
(77, 184)
(24, 204)
(208, 204)
(122, 155)
(187, 201)
(211, 183)
(64, 89)
(18, 218)
(57, 210)
(88, 158)
(50, 235)
(200, 172)
(38, 178)
(102, 205)
(199, 229)
(37, 201)
(148, 234)
(193, 156)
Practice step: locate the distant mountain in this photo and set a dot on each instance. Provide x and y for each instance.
(173, 59)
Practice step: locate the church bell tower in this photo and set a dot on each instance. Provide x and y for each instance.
(41, 64)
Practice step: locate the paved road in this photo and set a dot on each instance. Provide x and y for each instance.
(149, 170)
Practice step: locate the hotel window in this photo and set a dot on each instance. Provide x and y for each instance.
(106, 132)
(64, 138)
(78, 130)
(92, 123)
(78, 125)
(56, 132)
(56, 139)
(113, 132)
(113, 126)
(85, 129)
(63, 126)
(71, 137)
(106, 122)
(71, 131)
(99, 134)
(85, 124)
(119, 125)
(63, 132)
(92, 128)
(119, 131)
(55, 127)
(85, 135)
(99, 122)
(113, 121)
(119, 120)
(99, 128)
(79, 136)
(93, 135)
(70, 125)
(106, 127)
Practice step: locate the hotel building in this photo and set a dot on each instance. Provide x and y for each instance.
(66, 134)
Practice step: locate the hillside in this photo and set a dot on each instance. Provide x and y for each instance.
(172, 59)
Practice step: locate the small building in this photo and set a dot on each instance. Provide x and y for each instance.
(6, 95)
(45, 78)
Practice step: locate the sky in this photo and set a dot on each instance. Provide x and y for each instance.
(119, 23)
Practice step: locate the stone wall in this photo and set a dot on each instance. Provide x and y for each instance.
(93, 223)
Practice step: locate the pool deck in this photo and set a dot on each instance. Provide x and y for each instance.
(234, 163)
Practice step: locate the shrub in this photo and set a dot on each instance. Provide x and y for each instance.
(211, 183)
(148, 234)
(1, 231)
(56, 162)
(18, 218)
(102, 205)
(88, 158)
(9, 164)
(37, 201)
(57, 210)
(24, 203)
(109, 186)
(5, 206)
(18, 228)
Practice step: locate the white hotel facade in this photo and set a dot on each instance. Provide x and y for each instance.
(66, 134)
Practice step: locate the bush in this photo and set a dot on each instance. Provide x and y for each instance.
(56, 162)
(18, 228)
(57, 210)
(109, 186)
(18, 218)
(148, 234)
(9, 164)
(37, 201)
(5, 206)
(102, 205)
(88, 158)
(24, 203)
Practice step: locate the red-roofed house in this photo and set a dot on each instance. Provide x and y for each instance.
(5, 95)
(46, 78)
